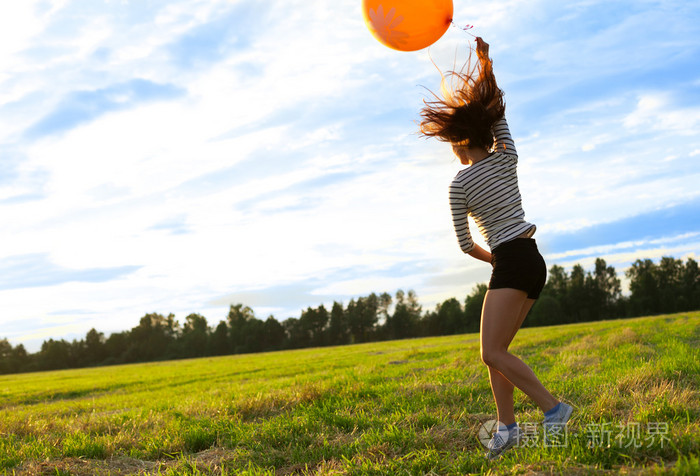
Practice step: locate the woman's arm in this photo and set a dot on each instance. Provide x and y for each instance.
(482, 52)
(503, 141)
(479, 253)
(486, 68)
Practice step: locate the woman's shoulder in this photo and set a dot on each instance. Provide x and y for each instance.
(502, 157)
(458, 180)
(494, 160)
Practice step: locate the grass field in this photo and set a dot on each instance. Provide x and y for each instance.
(402, 407)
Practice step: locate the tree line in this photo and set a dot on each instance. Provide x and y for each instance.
(577, 296)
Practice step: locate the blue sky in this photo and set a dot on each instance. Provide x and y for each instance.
(182, 156)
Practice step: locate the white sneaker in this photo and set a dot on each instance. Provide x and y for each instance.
(497, 445)
(561, 416)
(555, 425)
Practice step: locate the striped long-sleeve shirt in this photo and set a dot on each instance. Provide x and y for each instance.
(488, 191)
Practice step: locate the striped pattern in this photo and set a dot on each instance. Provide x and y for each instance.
(488, 191)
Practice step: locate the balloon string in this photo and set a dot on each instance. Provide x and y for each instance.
(465, 28)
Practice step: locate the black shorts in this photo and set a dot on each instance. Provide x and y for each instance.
(518, 264)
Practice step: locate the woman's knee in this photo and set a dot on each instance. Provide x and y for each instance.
(492, 357)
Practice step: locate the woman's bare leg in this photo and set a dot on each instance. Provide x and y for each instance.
(500, 386)
(500, 315)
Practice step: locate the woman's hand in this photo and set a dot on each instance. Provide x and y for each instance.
(481, 254)
(482, 49)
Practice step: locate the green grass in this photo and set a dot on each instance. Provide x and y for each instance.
(404, 407)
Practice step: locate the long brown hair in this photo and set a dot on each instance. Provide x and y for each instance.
(469, 108)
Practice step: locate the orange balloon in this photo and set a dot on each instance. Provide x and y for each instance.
(407, 25)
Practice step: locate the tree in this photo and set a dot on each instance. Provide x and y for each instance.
(690, 286)
(254, 332)
(116, 347)
(338, 332)
(314, 321)
(452, 317)
(362, 317)
(219, 340)
(644, 288)
(20, 360)
(384, 302)
(546, 311)
(669, 276)
(194, 341)
(557, 283)
(13, 359)
(273, 333)
(239, 319)
(552, 306)
(448, 318)
(407, 312)
(297, 337)
(472, 308)
(577, 302)
(604, 290)
(153, 338)
(55, 354)
(95, 347)
(5, 357)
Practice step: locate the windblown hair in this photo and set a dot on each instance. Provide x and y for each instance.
(469, 108)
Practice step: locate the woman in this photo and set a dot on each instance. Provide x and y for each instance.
(472, 118)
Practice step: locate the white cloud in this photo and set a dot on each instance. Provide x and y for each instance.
(656, 110)
(623, 260)
(650, 246)
(18, 25)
